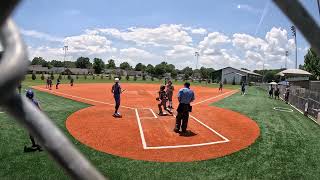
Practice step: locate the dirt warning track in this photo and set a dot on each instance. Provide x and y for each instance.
(143, 135)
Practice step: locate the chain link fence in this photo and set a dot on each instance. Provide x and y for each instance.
(301, 98)
(13, 67)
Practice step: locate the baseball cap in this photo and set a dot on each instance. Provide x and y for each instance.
(116, 79)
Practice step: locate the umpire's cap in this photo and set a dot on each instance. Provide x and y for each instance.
(29, 94)
(116, 80)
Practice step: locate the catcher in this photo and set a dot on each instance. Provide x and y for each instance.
(163, 101)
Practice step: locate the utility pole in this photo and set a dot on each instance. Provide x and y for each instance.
(65, 49)
(287, 54)
(197, 54)
(294, 34)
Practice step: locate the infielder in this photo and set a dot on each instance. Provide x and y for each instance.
(116, 90)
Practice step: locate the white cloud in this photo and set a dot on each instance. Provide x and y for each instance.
(88, 44)
(245, 41)
(40, 35)
(151, 45)
(201, 31)
(213, 39)
(164, 35)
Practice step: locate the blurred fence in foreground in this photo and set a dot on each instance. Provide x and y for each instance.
(299, 97)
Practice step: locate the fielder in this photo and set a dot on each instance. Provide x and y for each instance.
(170, 89)
(116, 90)
(163, 101)
(58, 83)
(35, 146)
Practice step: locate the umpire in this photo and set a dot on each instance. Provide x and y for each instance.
(185, 97)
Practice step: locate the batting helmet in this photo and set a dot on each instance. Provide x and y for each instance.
(29, 94)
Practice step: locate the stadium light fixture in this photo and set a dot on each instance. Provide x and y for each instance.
(294, 34)
(197, 54)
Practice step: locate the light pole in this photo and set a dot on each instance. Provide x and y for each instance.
(294, 34)
(197, 54)
(287, 54)
(65, 49)
(318, 1)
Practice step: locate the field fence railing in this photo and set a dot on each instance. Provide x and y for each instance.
(300, 98)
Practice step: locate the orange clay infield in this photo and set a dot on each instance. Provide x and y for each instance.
(143, 135)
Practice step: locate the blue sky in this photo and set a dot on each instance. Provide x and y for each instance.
(226, 33)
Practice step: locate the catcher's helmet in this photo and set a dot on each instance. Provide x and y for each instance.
(29, 94)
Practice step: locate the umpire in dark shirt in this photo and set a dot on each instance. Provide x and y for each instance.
(185, 97)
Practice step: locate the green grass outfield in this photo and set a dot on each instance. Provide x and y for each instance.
(28, 81)
(288, 148)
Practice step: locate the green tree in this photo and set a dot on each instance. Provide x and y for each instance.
(187, 70)
(140, 67)
(77, 76)
(135, 78)
(143, 77)
(269, 76)
(204, 73)
(150, 69)
(101, 76)
(312, 63)
(38, 61)
(56, 63)
(127, 77)
(186, 77)
(34, 77)
(160, 70)
(98, 65)
(42, 76)
(52, 76)
(60, 76)
(83, 63)
(125, 66)
(69, 64)
(174, 74)
(111, 64)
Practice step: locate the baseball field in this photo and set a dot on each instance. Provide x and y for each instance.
(233, 136)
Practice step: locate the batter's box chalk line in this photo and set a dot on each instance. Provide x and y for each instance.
(145, 146)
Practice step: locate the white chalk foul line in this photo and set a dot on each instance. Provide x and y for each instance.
(154, 114)
(144, 144)
(230, 92)
(101, 102)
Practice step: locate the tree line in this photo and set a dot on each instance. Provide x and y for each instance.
(98, 65)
